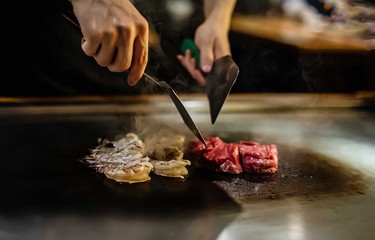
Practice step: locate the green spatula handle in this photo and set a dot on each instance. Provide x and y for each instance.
(188, 44)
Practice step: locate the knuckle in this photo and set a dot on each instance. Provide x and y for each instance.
(93, 36)
(100, 63)
(142, 26)
(117, 68)
(110, 32)
(89, 52)
(127, 29)
(126, 65)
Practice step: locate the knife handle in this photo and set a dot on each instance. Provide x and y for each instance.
(188, 44)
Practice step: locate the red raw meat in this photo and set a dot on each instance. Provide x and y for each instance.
(218, 156)
(234, 158)
(257, 158)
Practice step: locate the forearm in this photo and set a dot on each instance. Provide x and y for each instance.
(220, 11)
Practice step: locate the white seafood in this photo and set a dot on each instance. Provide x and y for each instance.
(134, 174)
(166, 155)
(170, 168)
(127, 160)
(121, 160)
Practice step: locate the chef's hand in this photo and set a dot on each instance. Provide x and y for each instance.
(212, 42)
(115, 34)
(211, 38)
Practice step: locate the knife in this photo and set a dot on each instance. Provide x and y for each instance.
(219, 81)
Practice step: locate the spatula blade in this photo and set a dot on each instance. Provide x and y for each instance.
(219, 83)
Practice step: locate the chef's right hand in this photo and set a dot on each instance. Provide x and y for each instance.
(115, 34)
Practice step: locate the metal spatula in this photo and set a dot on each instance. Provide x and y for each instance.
(219, 81)
(180, 107)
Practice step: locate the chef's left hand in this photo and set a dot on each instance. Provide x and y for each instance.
(211, 38)
(212, 43)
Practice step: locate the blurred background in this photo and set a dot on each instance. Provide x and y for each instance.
(279, 45)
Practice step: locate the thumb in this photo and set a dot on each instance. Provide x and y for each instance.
(206, 57)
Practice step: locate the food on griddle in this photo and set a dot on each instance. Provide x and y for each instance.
(127, 160)
(122, 160)
(258, 158)
(234, 158)
(219, 156)
(171, 168)
(166, 154)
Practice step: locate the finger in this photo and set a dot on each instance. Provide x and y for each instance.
(192, 62)
(180, 58)
(189, 64)
(140, 59)
(121, 62)
(206, 55)
(196, 73)
(90, 48)
(107, 49)
(183, 60)
(188, 54)
(198, 76)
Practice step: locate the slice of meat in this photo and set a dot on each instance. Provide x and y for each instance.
(234, 158)
(195, 151)
(258, 158)
(218, 156)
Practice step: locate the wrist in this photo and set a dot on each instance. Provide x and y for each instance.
(220, 6)
(219, 11)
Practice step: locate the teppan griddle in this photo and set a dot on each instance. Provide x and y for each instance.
(323, 188)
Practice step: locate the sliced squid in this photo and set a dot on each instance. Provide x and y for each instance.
(137, 173)
(166, 155)
(170, 168)
(121, 160)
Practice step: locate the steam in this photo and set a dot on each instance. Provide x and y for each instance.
(310, 72)
(154, 133)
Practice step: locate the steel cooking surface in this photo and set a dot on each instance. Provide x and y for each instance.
(300, 173)
(324, 188)
(41, 172)
(45, 170)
